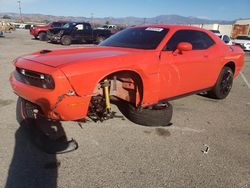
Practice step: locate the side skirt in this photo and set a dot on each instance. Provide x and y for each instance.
(185, 95)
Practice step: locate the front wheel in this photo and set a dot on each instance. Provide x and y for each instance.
(42, 36)
(223, 85)
(66, 40)
(25, 111)
(156, 115)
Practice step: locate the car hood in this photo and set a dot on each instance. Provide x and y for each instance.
(41, 27)
(61, 57)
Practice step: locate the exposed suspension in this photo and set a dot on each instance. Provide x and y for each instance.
(100, 107)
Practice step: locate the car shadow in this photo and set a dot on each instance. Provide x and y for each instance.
(31, 167)
(37, 141)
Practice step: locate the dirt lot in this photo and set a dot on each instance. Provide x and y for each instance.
(118, 153)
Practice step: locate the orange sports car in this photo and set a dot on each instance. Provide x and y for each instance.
(141, 68)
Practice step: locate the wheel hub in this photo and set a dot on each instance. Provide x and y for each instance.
(226, 82)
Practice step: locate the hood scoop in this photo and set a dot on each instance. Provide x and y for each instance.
(45, 51)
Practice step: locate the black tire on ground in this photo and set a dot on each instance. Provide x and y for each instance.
(24, 112)
(157, 115)
(42, 36)
(223, 85)
(39, 130)
(66, 40)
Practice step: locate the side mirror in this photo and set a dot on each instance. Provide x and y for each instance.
(184, 46)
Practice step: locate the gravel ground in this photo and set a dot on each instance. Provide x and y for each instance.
(118, 153)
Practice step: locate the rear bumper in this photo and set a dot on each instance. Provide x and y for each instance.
(59, 103)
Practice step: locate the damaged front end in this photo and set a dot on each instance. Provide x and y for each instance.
(48, 88)
(55, 36)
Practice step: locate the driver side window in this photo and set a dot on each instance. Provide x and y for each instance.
(198, 39)
(79, 27)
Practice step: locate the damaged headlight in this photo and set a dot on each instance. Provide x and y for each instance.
(34, 78)
(47, 81)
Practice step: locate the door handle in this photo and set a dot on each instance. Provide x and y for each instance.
(206, 56)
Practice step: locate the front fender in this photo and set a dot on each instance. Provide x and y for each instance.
(84, 77)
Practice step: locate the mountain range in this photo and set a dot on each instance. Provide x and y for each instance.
(161, 19)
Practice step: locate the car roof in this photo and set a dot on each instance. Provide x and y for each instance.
(175, 27)
(78, 22)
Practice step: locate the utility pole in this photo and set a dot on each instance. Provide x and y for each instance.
(20, 11)
(92, 19)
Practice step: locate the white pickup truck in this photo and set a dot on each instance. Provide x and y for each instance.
(243, 41)
(108, 27)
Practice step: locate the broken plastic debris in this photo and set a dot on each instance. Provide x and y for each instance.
(206, 149)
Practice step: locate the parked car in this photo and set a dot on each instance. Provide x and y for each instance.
(226, 39)
(216, 32)
(7, 27)
(76, 32)
(40, 32)
(142, 68)
(243, 41)
(22, 26)
(110, 27)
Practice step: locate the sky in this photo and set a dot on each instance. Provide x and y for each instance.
(208, 9)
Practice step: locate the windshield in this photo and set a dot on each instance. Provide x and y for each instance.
(69, 25)
(140, 38)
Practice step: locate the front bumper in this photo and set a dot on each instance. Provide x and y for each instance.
(33, 32)
(61, 103)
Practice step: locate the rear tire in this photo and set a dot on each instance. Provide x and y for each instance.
(66, 40)
(223, 85)
(157, 115)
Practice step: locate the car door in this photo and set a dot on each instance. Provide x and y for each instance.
(82, 32)
(78, 32)
(88, 34)
(187, 71)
